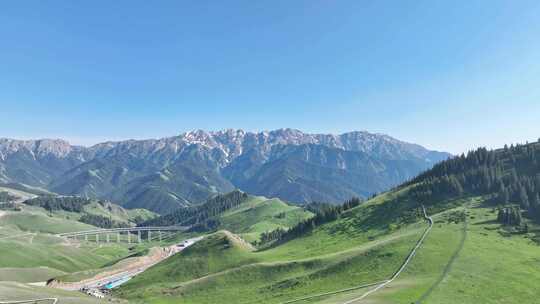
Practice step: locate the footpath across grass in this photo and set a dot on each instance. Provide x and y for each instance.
(486, 268)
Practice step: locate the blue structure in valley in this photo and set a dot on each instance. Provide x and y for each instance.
(117, 283)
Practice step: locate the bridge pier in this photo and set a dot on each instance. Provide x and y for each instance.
(129, 237)
(149, 236)
(139, 235)
(118, 237)
(86, 237)
(159, 232)
(97, 238)
(108, 238)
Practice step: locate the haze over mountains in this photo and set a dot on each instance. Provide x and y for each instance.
(163, 174)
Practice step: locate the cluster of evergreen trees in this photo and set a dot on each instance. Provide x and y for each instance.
(270, 236)
(101, 221)
(5, 197)
(510, 216)
(201, 217)
(511, 175)
(324, 213)
(67, 203)
(9, 206)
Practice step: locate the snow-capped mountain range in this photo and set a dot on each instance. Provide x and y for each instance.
(187, 168)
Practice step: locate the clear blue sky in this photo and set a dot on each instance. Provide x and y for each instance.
(450, 75)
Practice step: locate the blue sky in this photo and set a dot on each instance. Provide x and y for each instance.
(450, 75)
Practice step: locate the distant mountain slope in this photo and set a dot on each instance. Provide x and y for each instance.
(308, 173)
(88, 211)
(36, 162)
(199, 164)
(22, 192)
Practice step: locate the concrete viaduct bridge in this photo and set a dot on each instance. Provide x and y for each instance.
(117, 233)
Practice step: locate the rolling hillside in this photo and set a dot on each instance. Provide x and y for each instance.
(30, 252)
(249, 216)
(90, 211)
(28, 245)
(469, 256)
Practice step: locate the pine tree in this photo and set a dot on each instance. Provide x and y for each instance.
(503, 195)
(534, 209)
(517, 217)
(500, 216)
(523, 198)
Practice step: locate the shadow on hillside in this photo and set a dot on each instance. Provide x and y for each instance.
(486, 222)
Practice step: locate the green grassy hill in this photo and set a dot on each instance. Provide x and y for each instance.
(323, 260)
(217, 252)
(24, 191)
(94, 212)
(243, 214)
(258, 215)
(31, 252)
(27, 240)
(18, 291)
(468, 257)
(32, 219)
(463, 258)
(119, 214)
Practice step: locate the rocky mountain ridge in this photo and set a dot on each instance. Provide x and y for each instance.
(188, 168)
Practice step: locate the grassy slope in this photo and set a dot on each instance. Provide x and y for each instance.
(338, 255)
(117, 213)
(260, 214)
(21, 195)
(487, 268)
(18, 291)
(360, 248)
(33, 218)
(26, 242)
(22, 249)
(37, 219)
(490, 268)
(29, 275)
(215, 253)
(23, 192)
(29, 252)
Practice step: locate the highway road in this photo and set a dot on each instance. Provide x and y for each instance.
(117, 230)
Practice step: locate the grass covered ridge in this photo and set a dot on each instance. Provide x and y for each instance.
(259, 214)
(367, 244)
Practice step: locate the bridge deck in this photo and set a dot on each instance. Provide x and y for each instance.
(128, 229)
